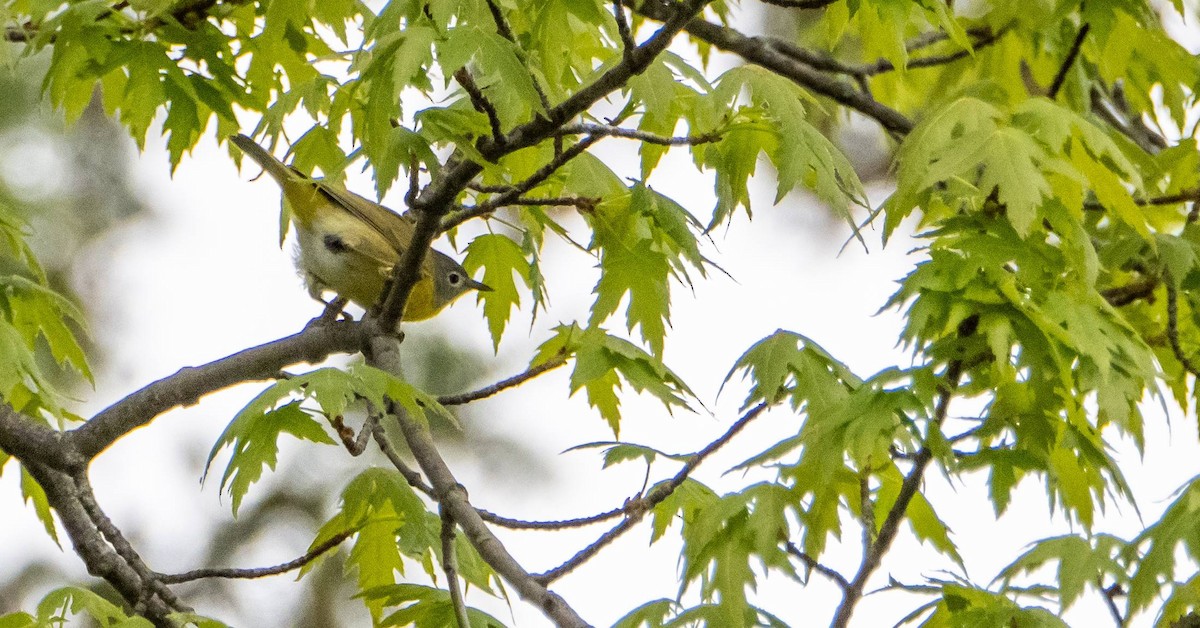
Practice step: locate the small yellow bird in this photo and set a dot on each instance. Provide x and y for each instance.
(349, 244)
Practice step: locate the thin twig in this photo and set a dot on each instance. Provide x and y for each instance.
(1072, 54)
(415, 480)
(827, 63)
(516, 380)
(354, 443)
(1173, 328)
(812, 564)
(636, 508)
(649, 138)
(1109, 109)
(1183, 196)
(873, 553)
(1109, 594)
(450, 568)
(412, 476)
(1135, 290)
(562, 524)
(623, 31)
(930, 38)
(150, 581)
(505, 31)
(259, 572)
(481, 103)
(504, 198)
(583, 203)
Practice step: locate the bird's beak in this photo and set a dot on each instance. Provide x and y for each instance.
(478, 285)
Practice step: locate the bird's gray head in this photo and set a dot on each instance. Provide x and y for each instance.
(451, 280)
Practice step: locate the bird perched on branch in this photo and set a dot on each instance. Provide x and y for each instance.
(348, 244)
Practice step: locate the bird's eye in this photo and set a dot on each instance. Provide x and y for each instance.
(454, 278)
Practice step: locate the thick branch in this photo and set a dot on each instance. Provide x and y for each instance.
(452, 497)
(767, 53)
(189, 384)
(99, 557)
(30, 440)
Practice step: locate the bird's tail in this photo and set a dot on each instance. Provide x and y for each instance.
(278, 170)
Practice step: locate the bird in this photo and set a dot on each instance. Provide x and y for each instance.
(348, 244)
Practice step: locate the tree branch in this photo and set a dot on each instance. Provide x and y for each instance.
(1072, 54)
(96, 553)
(512, 193)
(1130, 292)
(827, 63)
(259, 572)
(151, 584)
(812, 564)
(767, 53)
(649, 138)
(516, 380)
(481, 103)
(415, 480)
(561, 524)
(1173, 328)
(452, 496)
(634, 509)
(873, 554)
(436, 200)
(450, 568)
(799, 4)
(314, 344)
(29, 439)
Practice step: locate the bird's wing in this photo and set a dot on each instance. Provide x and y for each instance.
(394, 228)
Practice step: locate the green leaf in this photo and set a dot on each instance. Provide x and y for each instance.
(18, 620)
(786, 363)
(423, 607)
(616, 452)
(32, 492)
(67, 601)
(39, 312)
(500, 258)
(968, 606)
(652, 614)
(603, 362)
(253, 439)
(684, 503)
(1081, 562)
